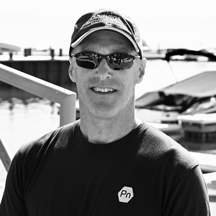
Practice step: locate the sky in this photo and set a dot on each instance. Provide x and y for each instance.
(163, 23)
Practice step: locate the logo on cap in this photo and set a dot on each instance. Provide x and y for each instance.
(125, 194)
(105, 19)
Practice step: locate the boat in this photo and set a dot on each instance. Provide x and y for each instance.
(189, 55)
(4, 47)
(162, 107)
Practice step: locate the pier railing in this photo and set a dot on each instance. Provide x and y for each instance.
(40, 88)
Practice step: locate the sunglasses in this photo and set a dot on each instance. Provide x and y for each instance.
(116, 61)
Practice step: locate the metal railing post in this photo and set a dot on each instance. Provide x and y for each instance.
(67, 111)
(5, 158)
(41, 88)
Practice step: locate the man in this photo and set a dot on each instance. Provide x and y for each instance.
(108, 162)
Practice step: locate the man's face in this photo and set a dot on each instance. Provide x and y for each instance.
(104, 92)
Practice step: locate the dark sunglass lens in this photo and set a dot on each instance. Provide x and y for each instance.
(86, 61)
(86, 64)
(120, 61)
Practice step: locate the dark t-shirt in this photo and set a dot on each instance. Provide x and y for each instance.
(144, 173)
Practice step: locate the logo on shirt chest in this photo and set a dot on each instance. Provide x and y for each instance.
(125, 194)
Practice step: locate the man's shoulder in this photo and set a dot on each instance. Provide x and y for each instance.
(31, 155)
(49, 139)
(163, 156)
(159, 145)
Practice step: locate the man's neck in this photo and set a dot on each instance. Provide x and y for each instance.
(106, 131)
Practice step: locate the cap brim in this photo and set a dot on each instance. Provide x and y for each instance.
(80, 39)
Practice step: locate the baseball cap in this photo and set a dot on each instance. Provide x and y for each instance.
(105, 20)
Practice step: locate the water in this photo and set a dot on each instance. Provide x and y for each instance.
(28, 120)
(24, 123)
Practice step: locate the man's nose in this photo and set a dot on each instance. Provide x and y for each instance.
(103, 70)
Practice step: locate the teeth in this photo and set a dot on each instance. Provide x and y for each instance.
(98, 89)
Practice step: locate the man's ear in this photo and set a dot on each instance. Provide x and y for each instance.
(71, 71)
(142, 66)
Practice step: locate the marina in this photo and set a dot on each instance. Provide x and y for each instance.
(40, 32)
(22, 113)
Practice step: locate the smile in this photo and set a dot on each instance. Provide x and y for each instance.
(103, 90)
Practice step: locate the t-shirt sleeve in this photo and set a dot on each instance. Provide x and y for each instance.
(189, 196)
(12, 203)
(22, 168)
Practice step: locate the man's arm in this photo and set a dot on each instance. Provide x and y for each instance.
(189, 196)
(13, 203)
